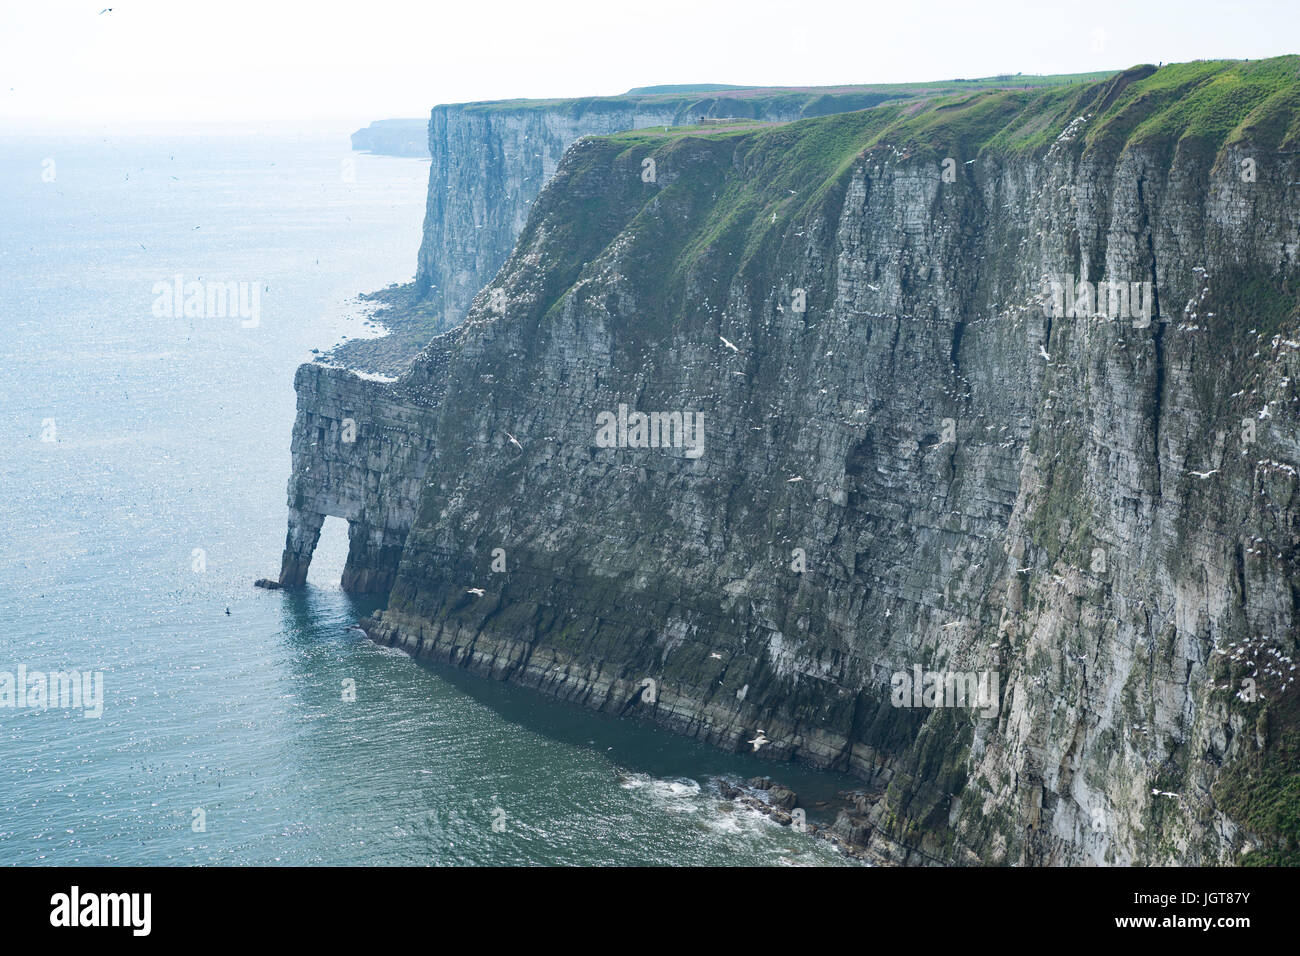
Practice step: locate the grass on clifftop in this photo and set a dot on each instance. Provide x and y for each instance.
(807, 101)
(1206, 105)
(1203, 105)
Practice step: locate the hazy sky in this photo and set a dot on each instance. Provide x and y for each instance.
(341, 64)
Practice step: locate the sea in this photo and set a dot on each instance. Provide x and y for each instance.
(144, 459)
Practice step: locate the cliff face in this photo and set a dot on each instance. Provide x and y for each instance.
(909, 463)
(490, 161)
(488, 167)
(393, 137)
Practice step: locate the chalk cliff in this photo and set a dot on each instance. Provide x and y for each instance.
(393, 137)
(912, 458)
(490, 161)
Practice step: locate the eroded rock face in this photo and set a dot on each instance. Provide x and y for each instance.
(488, 168)
(360, 452)
(491, 160)
(909, 465)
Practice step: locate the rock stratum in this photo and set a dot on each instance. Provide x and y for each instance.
(912, 460)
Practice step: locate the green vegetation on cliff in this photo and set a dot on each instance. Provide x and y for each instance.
(807, 101)
(1261, 790)
(1207, 103)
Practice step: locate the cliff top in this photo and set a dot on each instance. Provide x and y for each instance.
(406, 123)
(1206, 104)
(808, 101)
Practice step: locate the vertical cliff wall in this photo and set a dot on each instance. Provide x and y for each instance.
(912, 461)
(489, 164)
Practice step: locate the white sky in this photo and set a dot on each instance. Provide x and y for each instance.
(330, 64)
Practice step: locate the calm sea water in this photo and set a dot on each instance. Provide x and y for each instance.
(143, 464)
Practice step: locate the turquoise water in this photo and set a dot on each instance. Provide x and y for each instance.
(143, 464)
